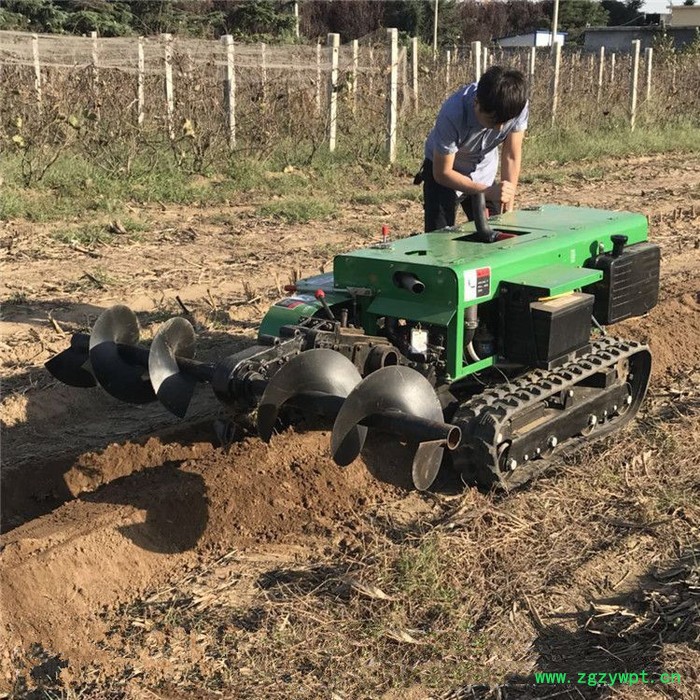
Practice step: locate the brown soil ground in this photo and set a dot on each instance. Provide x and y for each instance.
(105, 504)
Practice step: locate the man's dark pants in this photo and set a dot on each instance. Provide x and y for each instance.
(440, 203)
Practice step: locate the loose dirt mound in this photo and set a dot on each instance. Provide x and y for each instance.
(107, 546)
(676, 348)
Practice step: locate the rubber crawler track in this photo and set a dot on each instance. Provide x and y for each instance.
(484, 418)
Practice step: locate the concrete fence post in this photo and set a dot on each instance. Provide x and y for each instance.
(37, 71)
(169, 93)
(476, 55)
(334, 47)
(355, 66)
(634, 76)
(392, 93)
(648, 56)
(140, 83)
(554, 88)
(230, 90)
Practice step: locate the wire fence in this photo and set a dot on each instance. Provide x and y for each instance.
(119, 97)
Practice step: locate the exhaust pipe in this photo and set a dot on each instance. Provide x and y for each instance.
(409, 281)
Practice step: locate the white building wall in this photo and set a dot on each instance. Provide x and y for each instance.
(532, 39)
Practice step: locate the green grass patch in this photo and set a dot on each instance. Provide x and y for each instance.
(546, 146)
(412, 194)
(367, 198)
(99, 278)
(88, 235)
(77, 184)
(101, 234)
(298, 211)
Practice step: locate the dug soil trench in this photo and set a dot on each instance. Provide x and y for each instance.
(178, 504)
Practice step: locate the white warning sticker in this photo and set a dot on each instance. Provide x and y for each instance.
(477, 283)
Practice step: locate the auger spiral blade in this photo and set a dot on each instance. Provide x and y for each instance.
(403, 402)
(72, 366)
(174, 389)
(319, 380)
(123, 380)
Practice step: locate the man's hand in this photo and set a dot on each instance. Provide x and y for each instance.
(503, 194)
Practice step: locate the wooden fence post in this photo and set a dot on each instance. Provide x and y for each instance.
(648, 55)
(140, 83)
(37, 70)
(230, 90)
(612, 67)
(95, 76)
(355, 66)
(476, 54)
(169, 96)
(531, 68)
(263, 70)
(318, 77)
(334, 44)
(634, 75)
(674, 73)
(601, 71)
(392, 93)
(555, 80)
(403, 61)
(414, 71)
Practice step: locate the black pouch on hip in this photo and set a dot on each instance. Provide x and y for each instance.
(418, 178)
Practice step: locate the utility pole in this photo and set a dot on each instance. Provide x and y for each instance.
(435, 26)
(555, 22)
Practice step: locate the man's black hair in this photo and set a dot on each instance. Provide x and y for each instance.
(502, 93)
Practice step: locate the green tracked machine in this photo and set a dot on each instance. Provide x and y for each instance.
(482, 345)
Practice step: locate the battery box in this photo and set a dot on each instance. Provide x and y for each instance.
(630, 284)
(543, 333)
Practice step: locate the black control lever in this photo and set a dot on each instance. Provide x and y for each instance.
(484, 232)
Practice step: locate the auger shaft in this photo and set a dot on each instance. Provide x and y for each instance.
(138, 355)
(404, 426)
(415, 428)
